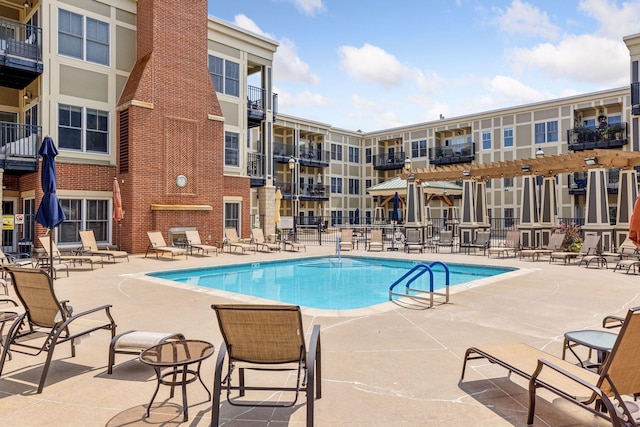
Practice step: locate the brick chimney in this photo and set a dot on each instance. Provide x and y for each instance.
(170, 124)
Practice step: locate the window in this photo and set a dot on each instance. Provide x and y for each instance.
(509, 219)
(367, 155)
(486, 140)
(367, 183)
(336, 152)
(83, 37)
(84, 214)
(546, 132)
(507, 136)
(419, 148)
(354, 155)
(508, 182)
(354, 186)
(83, 129)
(225, 75)
(29, 210)
(336, 218)
(232, 216)
(336, 185)
(231, 149)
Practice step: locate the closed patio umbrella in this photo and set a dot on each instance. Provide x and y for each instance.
(49, 213)
(394, 212)
(276, 214)
(118, 213)
(634, 226)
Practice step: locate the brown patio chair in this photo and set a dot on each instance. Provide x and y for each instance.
(90, 246)
(158, 245)
(554, 245)
(57, 255)
(445, 240)
(589, 247)
(194, 242)
(413, 241)
(46, 315)
(482, 241)
(235, 242)
(266, 338)
(511, 244)
(376, 244)
(346, 239)
(292, 245)
(260, 241)
(619, 375)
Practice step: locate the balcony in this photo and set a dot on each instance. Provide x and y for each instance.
(578, 182)
(282, 152)
(590, 137)
(307, 193)
(20, 53)
(256, 170)
(256, 108)
(19, 147)
(314, 157)
(459, 153)
(635, 98)
(389, 161)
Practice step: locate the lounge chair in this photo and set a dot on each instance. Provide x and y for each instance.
(589, 247)
(235, 242)
(259, 240)
(57, 255)
(445, 241)
(49, 318)
(482, 241)
(413, 241)
(291, 245)
(376, 244)
(266, 338)
(346, 239)
(619, 375)
(158, 245)
(511, 244)
(90, 245)
(194, 242)
(554, 245)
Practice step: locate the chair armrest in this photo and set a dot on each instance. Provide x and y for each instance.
(9, 300)
(66, 323)
(611, 322)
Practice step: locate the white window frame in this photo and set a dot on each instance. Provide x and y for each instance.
(486, 137)
(507, 135)
(224, 77)
(84, 130)
(83, 220)
(85, 40)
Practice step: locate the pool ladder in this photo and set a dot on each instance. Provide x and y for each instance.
(415, 273)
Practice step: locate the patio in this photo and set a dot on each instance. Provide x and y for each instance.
(390, 365)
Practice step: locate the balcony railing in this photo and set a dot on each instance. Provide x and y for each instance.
(256, 169)
(635, 98)
(590, 137)
(20, 53)
(578, 182)
(282, 152)
(305, 192)
(19, 146)
(389, 161)
(314, 157)
(256, 108)
(459, 153)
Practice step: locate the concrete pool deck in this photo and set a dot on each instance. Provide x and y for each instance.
(390, 365)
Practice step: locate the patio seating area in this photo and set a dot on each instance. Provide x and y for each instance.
(369, 356)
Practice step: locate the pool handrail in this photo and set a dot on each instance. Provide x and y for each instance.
(419, 270)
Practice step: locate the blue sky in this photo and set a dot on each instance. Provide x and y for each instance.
(381, 64)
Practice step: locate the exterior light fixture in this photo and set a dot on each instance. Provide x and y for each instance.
(466, 172)
(411, 176)
(526, 168)
(590, 161)
(407, 163)
(292, 163)
(539, 153)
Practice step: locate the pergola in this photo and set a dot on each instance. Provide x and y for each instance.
(537, 220)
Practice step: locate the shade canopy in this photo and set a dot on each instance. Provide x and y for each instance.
(118, 213)
(276, 215)
(399, 185)
(634, 227)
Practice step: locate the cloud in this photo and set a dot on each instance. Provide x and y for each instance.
(524, 19)
(510, 88)
(372, 64)
(586, 58)
(614, 22)
(308, 7)
(287, 64)
(304, 98)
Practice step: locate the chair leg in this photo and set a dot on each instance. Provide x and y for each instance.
(13, 330)
(217, 386)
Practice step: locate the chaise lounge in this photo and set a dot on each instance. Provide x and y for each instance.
(159, 246)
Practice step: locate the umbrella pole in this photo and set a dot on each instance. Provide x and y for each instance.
(51, 253)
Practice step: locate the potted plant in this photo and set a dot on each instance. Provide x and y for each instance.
(617, 130)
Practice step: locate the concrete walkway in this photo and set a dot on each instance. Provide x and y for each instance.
(390, 365)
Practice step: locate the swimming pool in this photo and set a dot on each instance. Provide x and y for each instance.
(322, 282)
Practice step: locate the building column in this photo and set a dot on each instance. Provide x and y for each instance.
(627, 195)
(548, 208)
(266, 209)
(468, 220)
(415, 203)
(530, 229)
(597, 216)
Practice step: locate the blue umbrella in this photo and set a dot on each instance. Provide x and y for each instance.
(394, 212)
(49, 213)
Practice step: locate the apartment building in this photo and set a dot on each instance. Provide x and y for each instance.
(179, 107)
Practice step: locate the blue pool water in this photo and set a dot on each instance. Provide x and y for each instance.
(323, 282)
